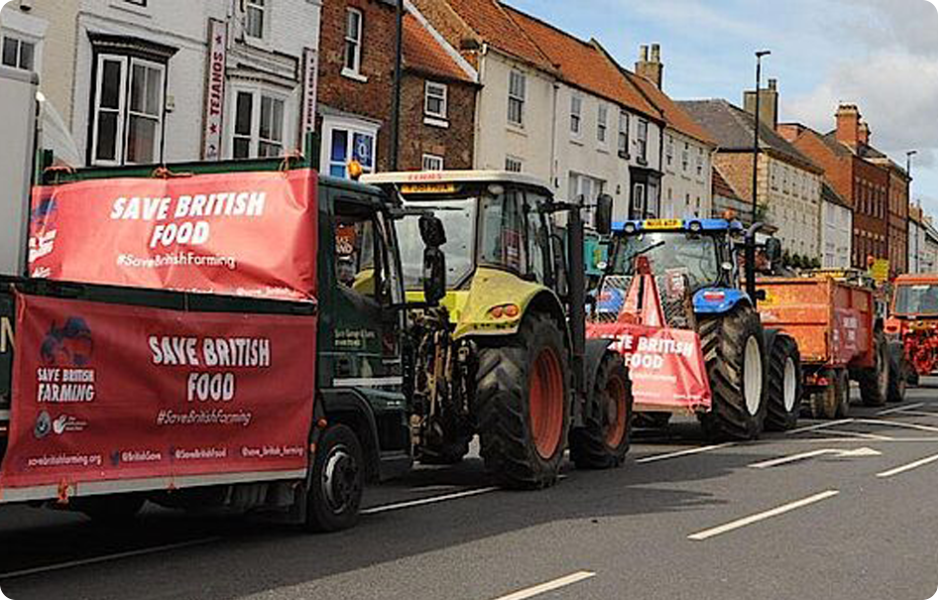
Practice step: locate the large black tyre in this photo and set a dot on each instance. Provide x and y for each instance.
(833, 401)
(898, 372)
(337, 481)
(784, 383)
(736, 382)
(604, 440)
(110, 511)
(523, 405)
(874, 382)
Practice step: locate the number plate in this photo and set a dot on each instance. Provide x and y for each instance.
(663, 224)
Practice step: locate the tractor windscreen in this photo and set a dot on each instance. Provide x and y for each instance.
(693, 255)
(917, 300)
(459, 218)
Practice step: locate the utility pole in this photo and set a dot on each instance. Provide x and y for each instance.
(396, 99)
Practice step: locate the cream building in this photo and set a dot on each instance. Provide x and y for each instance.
(789, 184)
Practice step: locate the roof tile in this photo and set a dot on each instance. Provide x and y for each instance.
(423, 52)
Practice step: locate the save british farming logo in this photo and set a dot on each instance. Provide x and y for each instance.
(43, 227)
(66, 375)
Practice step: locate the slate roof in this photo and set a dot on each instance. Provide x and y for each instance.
(829, 194)
(733, 130)
(582, 64)
(424, 53)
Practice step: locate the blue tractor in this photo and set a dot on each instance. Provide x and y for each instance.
(705, 269)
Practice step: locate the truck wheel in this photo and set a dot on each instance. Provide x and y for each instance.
(784, 384)
(523, 405)
(604, 441)
(898, 372)
(734, 351)
(335, 492)
(874, 382)
(110, 511)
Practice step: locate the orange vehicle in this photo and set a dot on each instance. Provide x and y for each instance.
(840, 338)
(913, 323)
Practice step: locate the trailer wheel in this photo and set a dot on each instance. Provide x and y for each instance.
(833, 401)
(842, 389)
(604, 441)
(784, 384)
(523, 405)
(335, 493)
(874, 382)
(898, 372)
(111, 511)
(734, 350)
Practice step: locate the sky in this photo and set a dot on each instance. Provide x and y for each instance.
(879, 54)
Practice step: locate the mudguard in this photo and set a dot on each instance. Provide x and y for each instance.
(718, 301)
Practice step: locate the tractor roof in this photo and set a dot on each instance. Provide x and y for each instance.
(913, 279)
(691, 224)
(455, 177)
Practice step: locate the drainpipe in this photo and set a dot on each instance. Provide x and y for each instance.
(553, 140)
(477, 143)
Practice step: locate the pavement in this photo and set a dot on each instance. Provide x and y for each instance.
(834, 509)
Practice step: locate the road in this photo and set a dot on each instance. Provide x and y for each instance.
(832, 510)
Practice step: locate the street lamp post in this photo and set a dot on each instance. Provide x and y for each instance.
(908, 172)
(396, 98)
(755, 143)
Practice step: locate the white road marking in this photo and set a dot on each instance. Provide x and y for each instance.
(915, 426)
(900, 409)
(919, 413)
(864, 436)
(549, 586)
(679, 454)
(908, 467)
(858, 453)
(819, 426)
(709, 533)
(424, 501)
(107, 558)
(846, 440)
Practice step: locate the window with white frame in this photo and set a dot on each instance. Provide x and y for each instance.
(345, 141)
(128, 110)
(259, 124)
(643, 140)
(700, 162)
(435, 100)
(685, 157)
(623, 134)
(513, 165)
(255, 15)
(353, 41)
(670, 150)
(602, 119)
(517, 84)
(18, 53)
(431, 162)
(576, 114)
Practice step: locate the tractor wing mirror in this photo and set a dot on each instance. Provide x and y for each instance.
(773, 249)
(602, 220)
(434, 275)
(431, 231)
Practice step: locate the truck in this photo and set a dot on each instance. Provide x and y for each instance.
(913, 323)
(183, 337)
(673, 298)
(516, 367)
(833, 318)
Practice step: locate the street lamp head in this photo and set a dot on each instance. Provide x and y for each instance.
(761, 53)
(911, 153)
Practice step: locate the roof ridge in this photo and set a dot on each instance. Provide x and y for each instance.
(506, 10)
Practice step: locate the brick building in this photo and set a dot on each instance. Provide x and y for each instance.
(356, 83)
(438, 101)
(850, 165)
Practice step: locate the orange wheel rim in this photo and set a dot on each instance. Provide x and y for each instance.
(615, 412)
(546, 403)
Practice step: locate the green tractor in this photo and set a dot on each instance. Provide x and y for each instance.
(504, 355)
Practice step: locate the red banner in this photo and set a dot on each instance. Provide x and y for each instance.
(243, 234)
(666, 366)
(114, 392)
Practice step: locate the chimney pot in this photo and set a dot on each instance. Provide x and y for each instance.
(652, 70)
(643, 53)
(848, 125)
(773, 84)
(656, 53)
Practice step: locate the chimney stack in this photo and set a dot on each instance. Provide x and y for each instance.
(768, 104)
(651, 68)
(864, 134)
(848, 124)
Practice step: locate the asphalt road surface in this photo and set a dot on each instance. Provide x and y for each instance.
(843, 509)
